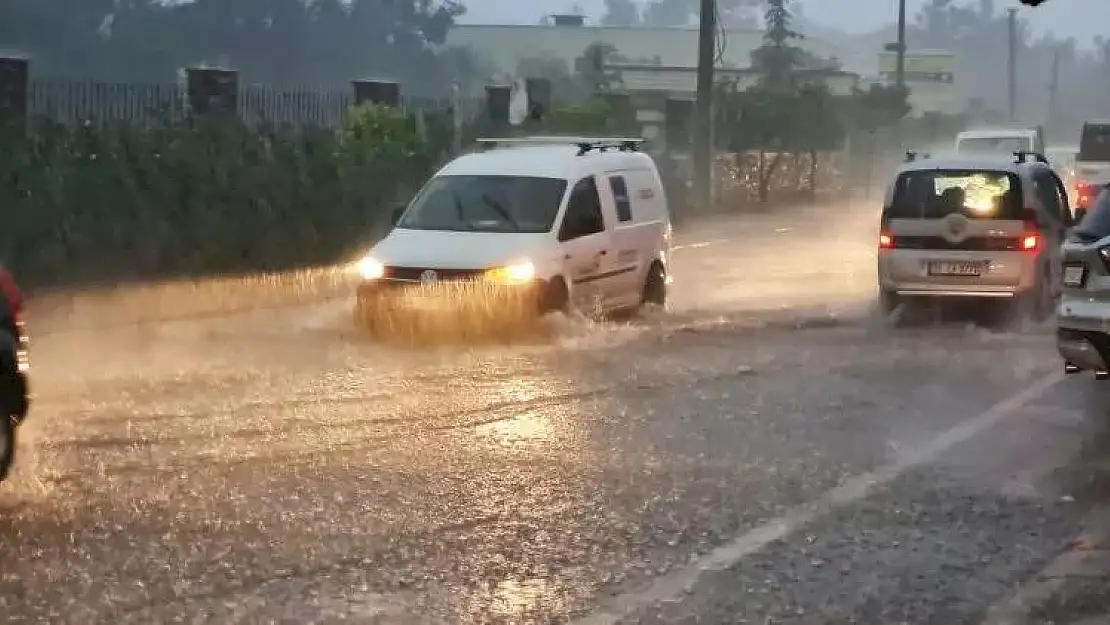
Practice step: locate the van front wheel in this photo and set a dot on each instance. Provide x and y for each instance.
(554, 297)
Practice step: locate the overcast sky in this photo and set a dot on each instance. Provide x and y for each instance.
(1080, 18)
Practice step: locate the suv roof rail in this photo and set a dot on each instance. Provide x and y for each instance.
(585, 144)
(1023, 156)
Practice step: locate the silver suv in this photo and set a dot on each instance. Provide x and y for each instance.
(985, 229)
(1083, 317)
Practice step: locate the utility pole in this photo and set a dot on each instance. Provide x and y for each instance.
(1012, 66)
(900, 68)
(703, 113)
(1054, 85)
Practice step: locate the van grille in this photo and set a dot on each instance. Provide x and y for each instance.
(412, 274)
(971, 244)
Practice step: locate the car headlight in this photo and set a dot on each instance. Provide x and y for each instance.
(370, 269)
(516, 273)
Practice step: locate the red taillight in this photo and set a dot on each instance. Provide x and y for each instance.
(886, 241)
(1084, 194)
(1031, 238)
(11, 293)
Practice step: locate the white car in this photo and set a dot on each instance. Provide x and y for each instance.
(532, 224)
(984, 229)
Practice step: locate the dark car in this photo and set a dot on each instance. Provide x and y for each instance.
(14, 398)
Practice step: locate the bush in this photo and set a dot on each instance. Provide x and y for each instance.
(206, 196)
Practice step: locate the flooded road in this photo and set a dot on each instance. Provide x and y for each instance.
(766, 451)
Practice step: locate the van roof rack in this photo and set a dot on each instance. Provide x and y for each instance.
(1023, 156)
(585, 144)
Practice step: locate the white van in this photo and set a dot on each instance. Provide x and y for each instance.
(1000, 141)
(553, 222)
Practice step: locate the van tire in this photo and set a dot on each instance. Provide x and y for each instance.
(655, 285)
(554, 297)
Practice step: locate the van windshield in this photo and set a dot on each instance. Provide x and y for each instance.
(935, 194)
(994, 145)
(486, 204)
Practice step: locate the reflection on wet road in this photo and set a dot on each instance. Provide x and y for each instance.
(764, 452)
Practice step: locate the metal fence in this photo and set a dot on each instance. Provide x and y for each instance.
(71, 102)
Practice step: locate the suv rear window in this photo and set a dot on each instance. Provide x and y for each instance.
(1094, 144)
(1095, 225)
(935, 194)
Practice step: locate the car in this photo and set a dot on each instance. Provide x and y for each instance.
(1092, 163)
(1083, 315)
(14, 396)
(974, 229)
(1000, 141)
(527, 226)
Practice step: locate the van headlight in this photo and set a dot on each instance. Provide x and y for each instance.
(370, 269)
(516, 273)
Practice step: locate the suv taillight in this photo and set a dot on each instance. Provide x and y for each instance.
(1104, 256)
(886, 241)
(1085, 193)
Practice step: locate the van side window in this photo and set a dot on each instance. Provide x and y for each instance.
(620, 197)
(583, 216)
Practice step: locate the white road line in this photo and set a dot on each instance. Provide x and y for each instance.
(673, 585)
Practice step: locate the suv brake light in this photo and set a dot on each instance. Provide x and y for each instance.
(886, 241)
(1085, 193)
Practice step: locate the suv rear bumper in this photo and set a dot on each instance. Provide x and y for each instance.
(906, 272)
(1083, 333)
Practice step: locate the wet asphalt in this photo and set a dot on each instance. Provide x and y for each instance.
(765, 451)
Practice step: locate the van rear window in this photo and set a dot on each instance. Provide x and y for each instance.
(1094, 144)
(935, 194)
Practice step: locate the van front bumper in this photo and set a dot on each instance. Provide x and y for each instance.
(473, 297)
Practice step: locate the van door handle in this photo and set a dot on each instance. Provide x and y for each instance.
(603, 252)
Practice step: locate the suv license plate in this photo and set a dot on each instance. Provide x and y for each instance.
(958, 268)
(1074, 275)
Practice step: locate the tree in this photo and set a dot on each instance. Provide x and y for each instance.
(777, 59)
(591, 68)
(303, 42)
(878, 106)
(623, 13)
(670, 12)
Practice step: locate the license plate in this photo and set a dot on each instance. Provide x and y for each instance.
(1074, 275)
(956, 268)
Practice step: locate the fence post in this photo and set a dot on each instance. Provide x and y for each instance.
(212, 91)
(497, 106)
(14, 89)
(383, 92)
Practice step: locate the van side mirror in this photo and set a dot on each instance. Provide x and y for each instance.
(396, 214)
(1080, 213)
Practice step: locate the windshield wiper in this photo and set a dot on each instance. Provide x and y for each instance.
(460, 211)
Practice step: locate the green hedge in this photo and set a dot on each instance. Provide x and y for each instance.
(104, 205)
